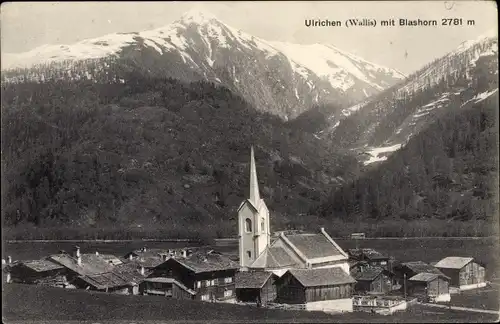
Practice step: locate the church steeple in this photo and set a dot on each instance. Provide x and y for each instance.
(253, 221)
(254, 184)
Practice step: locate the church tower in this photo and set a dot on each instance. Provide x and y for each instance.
(253, 221)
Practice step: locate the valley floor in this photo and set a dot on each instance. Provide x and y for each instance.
(35, 304)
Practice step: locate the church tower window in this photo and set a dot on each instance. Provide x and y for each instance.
(262, 227)
(249, 254)
(248, 225)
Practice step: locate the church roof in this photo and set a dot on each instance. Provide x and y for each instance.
(273, 257)
(315, 245)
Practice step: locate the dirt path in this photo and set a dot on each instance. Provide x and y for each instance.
(465, 309)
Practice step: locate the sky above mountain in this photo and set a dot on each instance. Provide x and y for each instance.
(25, 26)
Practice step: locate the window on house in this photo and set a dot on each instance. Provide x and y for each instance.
(198, 284)
(249, 254)
(228, 293)
(248, 225)
(262, 228)
(213, 282)
(207, 283)
(383, 262)
(228, 280)
(205, 297)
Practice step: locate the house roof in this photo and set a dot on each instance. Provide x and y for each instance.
(424, 277)
(321, 277)
(315, 245)
(368, 253)
(108, 280)
(273, 257)
(41, 265)
(369, 274)
(252, 279)
(131, 269)
(206, 262)
(91, 264)
(453, 262)
(420, 266)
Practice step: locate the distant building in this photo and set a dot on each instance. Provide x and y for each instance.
(465, 273)
(358, 236)
(211, 276)
(256, 287)
(429, 286)
(373, 280)
(371, 256)
(327, 289)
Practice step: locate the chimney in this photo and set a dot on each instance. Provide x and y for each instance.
(184, 253)
(3, 261)
(8, 279)
(97, 253)
(9, 259)
(77, 251)
(143, 271)
(79, 259)
(130, 256)
(144, 249)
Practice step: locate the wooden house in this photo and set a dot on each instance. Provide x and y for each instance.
(43, 272)
(326, 289)
(256, 286)
(429, 287)
(465, 273)
(210, 275)
(373, 280)
(406, 270)
(372, 257)
(168, 287)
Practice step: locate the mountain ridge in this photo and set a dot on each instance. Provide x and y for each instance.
(388, 121)
(266, 73)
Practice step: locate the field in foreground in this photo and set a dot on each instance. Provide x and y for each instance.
(25, 303)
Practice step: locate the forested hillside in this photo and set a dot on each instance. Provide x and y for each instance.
(151, 153)
(445, 175)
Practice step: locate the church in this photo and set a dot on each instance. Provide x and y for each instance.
(286, 251)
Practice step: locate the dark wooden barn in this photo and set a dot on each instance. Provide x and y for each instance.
(465, 273)
(210, 275)
(319, 289)
(43, 272)
(256, 286)
(373, 280)
(429, 287)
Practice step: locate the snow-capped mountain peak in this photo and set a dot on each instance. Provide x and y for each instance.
(197, 16)
(282, 78)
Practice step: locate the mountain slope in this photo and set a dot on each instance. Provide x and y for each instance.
(281, 78)
(157, 153)
(446, 174)
(386, 123)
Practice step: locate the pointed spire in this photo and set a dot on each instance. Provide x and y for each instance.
(254, 184)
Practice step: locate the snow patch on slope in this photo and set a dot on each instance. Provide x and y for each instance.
(378, 154)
